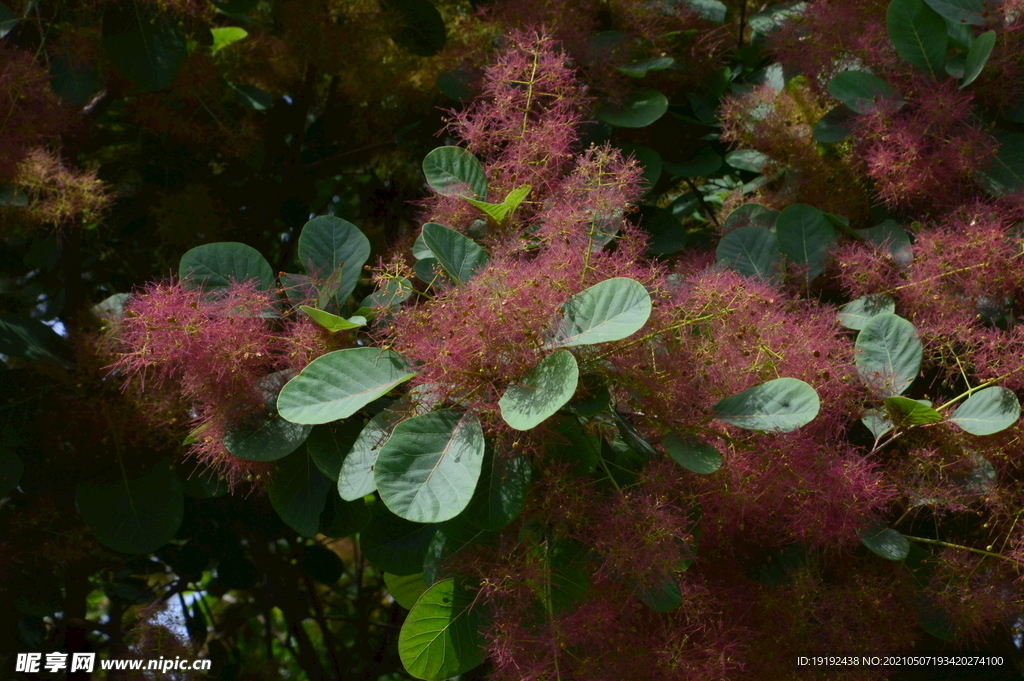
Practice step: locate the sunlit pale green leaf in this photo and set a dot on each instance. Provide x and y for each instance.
(751, 251)
(336, 385)
(535, 397)
(889, 353)
(987, 411)
(781, 405)
(855, 314)
(611, 310)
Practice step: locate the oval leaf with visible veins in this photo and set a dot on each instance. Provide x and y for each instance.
(340, 383)
(441, 634)
(610, 311)
(459, 255)
(855, 314)
(919, 34)
(988, 411)
(428, 469)
(751, 251)
(805, 235)
(453, 171)
(355, 480)
(529, 401)
(888, 353)
(782, 405)
(327, 244)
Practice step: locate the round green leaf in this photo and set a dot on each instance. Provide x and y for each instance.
(134, 516)
(535, 397)
(340, 383)
(459, 255)
(418, 27)
(451, 538)
(147, 50)
(11, 470)
(639, 109)
(609, 311)
(751, 251)
(987, 411)
(886, 542)
(861, 91)
(298, 492)
(269, 440)
(355, 479)
(395, 545)
(855, 314)
(1005, 172)
(329, 243)
(211, 266)
(805, 235)
(918, 33)
(888, 353)
(782, 405)
(453, 171)
(405, 590)
(501, 491)
(441, 634)
(427, 471)
(427, 269)
(692, 454)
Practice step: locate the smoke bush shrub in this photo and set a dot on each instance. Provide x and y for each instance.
(712, 457)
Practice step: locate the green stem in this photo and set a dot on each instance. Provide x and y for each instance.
(936, 542)
(609, 473)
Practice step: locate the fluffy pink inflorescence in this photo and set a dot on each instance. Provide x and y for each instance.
(216, 349)
(922, 157)
(524, 125)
